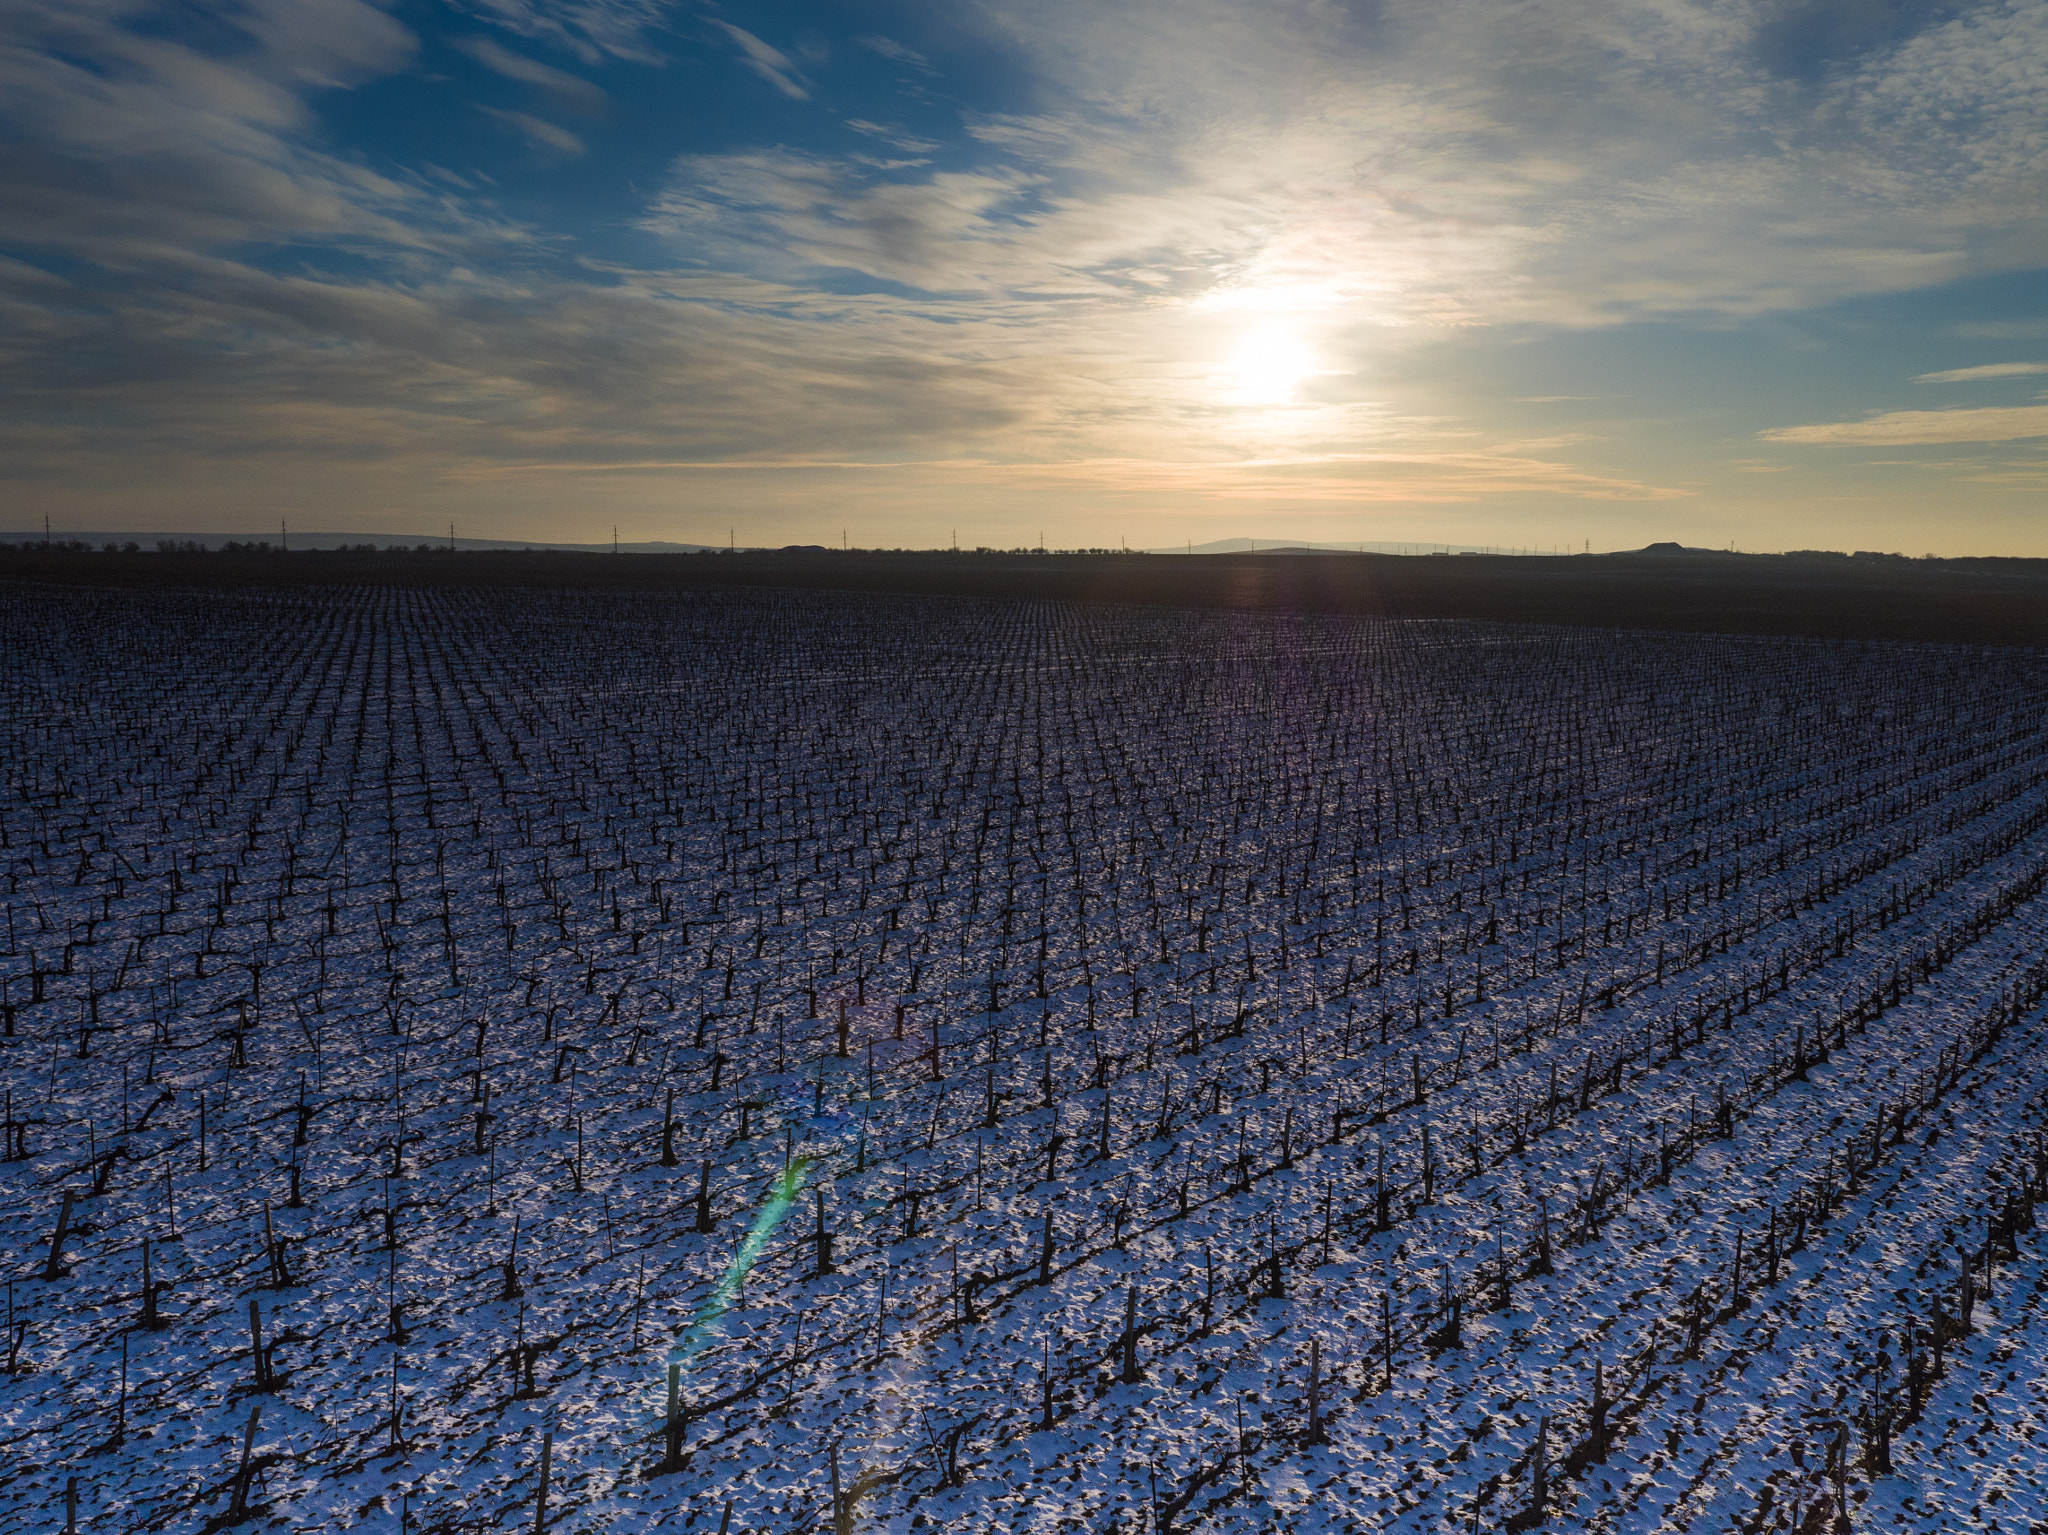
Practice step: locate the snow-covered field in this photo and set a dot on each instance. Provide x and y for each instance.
(845, 1063)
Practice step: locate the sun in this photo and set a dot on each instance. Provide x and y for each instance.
(1269, 363)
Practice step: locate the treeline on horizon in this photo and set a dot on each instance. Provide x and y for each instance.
(1976, 600)
(76, 546)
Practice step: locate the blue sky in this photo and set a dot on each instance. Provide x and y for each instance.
(1515, 272)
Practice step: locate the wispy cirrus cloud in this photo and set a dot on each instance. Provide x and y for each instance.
(1361, 479)
(767, 61)
(894, 137)
(1407, 478)
(785, 213)
(538, 132)
(1404, 174)
(591, 30)
(1902, 428)
(142, 150)
(892, 50)
(1215, 240)
(1987, 371)
(571, 90)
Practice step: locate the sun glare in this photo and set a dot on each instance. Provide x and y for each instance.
(1269, 364)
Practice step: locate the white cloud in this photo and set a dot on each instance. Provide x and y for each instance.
(896, 138)
(140, 151)
(1900, 428)
(889, 48)
(2002, 330)
(570, 89)
(1406, 172)
(1659, 169)
(1392, 477)
(542, 135)
(767, 61)
(590, 29)
(787, 213)
(1988, 371)
(1060, 294)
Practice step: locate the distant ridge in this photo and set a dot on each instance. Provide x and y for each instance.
(331, 540)
(67, 540)
(1841, 596)
(1325, 546)
(319, 540)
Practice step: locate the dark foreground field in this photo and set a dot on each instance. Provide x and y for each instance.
(1979, 602)
(631, 1058)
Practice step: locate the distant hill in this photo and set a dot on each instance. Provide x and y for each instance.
(2000, 602)
(1323, 546)
(318, 540)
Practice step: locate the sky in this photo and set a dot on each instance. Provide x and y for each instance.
(1527, 273)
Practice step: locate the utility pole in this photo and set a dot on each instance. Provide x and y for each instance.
(283, 537)
(46, 532)
(451, 538)
(615, 538)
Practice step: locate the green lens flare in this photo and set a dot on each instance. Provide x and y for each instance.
(705, 1323)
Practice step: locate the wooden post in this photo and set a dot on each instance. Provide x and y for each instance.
(121, 1411)
(280, 1268)
(1244, 1457)
(239, 1508)
(1130, 1375)
(540, 1498)
(1315, 1392)
(672, 1434)
(256, 1346)
(53, 1268)
(150, 1319)
(1838, 1467)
